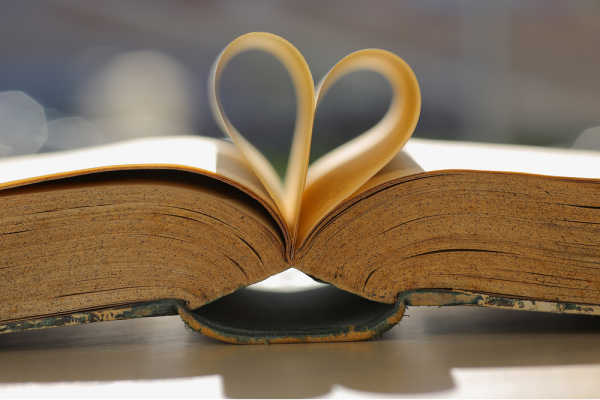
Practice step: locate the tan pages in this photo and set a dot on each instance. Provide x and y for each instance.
(307, 194)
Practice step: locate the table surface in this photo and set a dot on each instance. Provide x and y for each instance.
(433, 352)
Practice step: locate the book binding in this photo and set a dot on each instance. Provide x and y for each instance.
(371, 328)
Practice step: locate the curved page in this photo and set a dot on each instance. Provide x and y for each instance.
(308, 194)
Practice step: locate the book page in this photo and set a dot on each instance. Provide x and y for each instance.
(444, 154)
(403, 164)
(287, 195)
(307, 194)
(340, 173)
(212, 157)
(400, 166)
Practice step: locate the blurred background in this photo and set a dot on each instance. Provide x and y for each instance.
(76, 74)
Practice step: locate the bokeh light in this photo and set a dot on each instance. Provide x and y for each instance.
(23, 127)
(141, 93)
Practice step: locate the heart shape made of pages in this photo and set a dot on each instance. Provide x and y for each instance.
(307, 194)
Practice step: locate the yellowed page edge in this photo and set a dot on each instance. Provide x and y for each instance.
(215, 158)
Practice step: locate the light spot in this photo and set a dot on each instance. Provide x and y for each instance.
(23, 127)
(142, 93)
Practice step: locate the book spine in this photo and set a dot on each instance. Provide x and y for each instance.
(421, 297)
(136, 310)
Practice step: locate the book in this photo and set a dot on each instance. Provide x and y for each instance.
(183, 225)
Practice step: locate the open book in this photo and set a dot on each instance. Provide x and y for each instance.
(182, 225)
